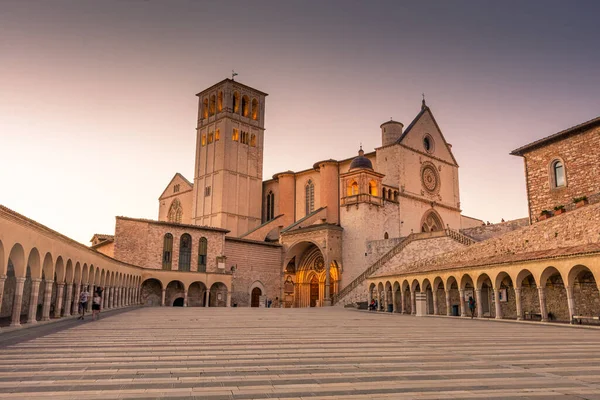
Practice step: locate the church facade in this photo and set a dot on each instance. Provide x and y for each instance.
(332, 220)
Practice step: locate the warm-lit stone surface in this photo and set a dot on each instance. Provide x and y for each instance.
(244, 353)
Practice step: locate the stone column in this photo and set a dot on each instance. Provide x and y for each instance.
(570, 302)
(47, 301)
(59, 299)
(130, 297)
(327, 301)
(497, 304)
(206, 298)
(463, 311)
(117, 297)
(378, 300)
(122, 296)
(185, 299)
(228, 302)
(105, 295)
(2, 280)
(394, 299)
(162, 300)
(33, 302)
(75, 308)
(18, 302)
(90, 298)
(518, 303)
(448, 305)
(386, 299)
(110, 298)
(435, 302)
(68, 299)
(479, 303)
(542, 296)
(413, 302)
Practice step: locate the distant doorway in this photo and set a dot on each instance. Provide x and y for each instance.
(255, 297)
(178, 302)
(314, 291)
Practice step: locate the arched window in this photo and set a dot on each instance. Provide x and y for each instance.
(254, 109)
(205, 107)
(210, 137)
(213, 105)
(220, 102)
(235, 136)
(386, 236)
(373, 188)
(431, 222)
(175, 212)
(185, 252)
(202, 249)
(270, 206)
(353, 189)
(309, 191)
(253, 140)
(236, 102)
(167, 251)
(558, 172)
(245, 106)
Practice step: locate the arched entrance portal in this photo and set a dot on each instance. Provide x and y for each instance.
(255, 297)
(314, 291)
(178, 302)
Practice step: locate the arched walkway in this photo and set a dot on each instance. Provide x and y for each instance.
(196, 294)
(219, 295)
(151, 292)
(174, 290)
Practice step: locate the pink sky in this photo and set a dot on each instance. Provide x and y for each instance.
(97, 105)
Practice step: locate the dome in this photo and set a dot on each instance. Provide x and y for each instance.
(361, 162)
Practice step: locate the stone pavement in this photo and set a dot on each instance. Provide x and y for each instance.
(242, 353)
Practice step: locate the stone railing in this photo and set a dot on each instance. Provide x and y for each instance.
(452, 234)
(361, 198)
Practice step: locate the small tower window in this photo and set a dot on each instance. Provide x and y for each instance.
(235, 135)
(210, 137)
(253, 140)
(204, 139)
(220, 102)
(217, 135)
(245, 106)
(176, 188)
(254, 109)
(236, 102)
(558, 172)
(202, 250)
(373, 188)
(212, 105)
(205, 107)
(353, 189)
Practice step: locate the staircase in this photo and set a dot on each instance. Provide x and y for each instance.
(452, 234)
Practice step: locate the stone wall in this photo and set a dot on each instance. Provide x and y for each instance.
(579, 154)
(484, 232)
(255, 263)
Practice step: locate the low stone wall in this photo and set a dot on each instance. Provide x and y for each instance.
(485, 232)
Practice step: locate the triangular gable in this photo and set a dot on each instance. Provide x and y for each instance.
(177, 179)
(425, 123)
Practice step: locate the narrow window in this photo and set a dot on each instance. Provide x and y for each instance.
(220, 102)
(202, 249)
(205, 108)
(210, 137)
(204, 139)
(559, 173)
(309, 190)
(254, 109)
(353, 188)
(235, 136)
(176, 188)
(185, 252)
(217, 135)
(167, 251)
(212, 105)
(245, 106)
(236, 102)
(270, 206)
(253, 140)
(386, 236)
(207, 191)
(373, 188)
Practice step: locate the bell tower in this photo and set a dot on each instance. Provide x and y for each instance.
(229, 157)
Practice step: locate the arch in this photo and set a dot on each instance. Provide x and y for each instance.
(451, 280)
(257, 285)
(254, 109)
(17, 259)
(174, 290)
(175, 213)
(34, 263)
(431, 221)
(59, 270)
(309, 197)
(167, 256)
(255, 295)
(196, 294)
(236, 102)
(218, 296)
(220, 101)
(352, 188)
(466, 282)
(552, 282)
(558, 173)
(178, 302)
(151, 291)
(205, 107)
(373, 188)
(185, 252)
(575, 271)
(437, 281)
(213, 105)
(584, 291)
(415, 286)
(48, 267)
(245, 106)
(483, 278)
(91, 275)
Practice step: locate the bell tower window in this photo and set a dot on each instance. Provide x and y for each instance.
(309, 190)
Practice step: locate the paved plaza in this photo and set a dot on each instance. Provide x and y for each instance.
(243, 353)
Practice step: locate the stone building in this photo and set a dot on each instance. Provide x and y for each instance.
(332, 220)
(548, 270)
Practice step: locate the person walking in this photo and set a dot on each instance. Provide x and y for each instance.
(96, 301)
(472, 306)
(83, 300)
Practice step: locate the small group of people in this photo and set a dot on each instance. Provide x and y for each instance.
(374, 305)
(96, 302)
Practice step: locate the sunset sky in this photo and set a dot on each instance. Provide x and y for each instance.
(98, 106)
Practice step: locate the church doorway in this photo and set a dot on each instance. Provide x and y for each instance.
(255, 297)
(314, 291)
(178, 302)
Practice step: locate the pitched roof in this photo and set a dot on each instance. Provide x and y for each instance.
(557, 136)
(177, 174)
(102, 236)
(175, 224)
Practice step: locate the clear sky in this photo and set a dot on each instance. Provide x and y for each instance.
(98, 106)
